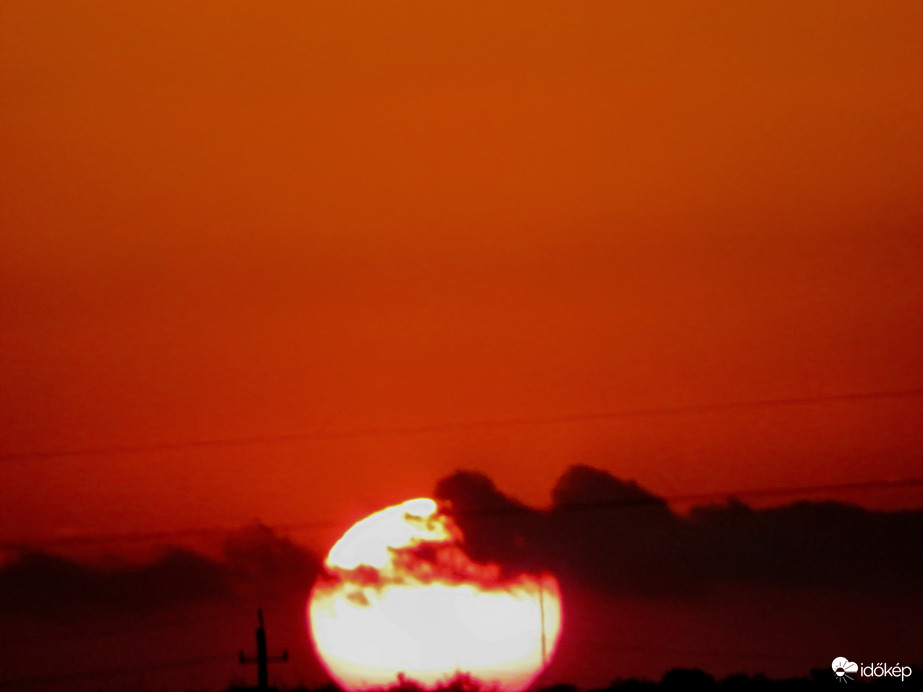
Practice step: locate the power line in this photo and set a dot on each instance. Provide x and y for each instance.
(145, 537)
(150, 536)
(57, 679)
(459, 426)
(710, 497)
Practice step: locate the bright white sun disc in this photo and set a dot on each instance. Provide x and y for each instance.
(399, 596)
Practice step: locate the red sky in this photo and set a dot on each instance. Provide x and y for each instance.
(228, 220)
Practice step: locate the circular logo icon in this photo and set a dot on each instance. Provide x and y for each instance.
(841, 666)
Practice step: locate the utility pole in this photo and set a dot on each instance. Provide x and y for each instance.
(541, 609)
(262, 660)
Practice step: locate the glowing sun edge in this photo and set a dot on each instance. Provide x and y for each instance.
(372, 618)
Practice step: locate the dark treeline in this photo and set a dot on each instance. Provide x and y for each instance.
(677, 679)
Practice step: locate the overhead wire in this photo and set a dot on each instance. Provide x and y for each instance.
(57, 679)
(456, 426)
(134, 537)
(512, 508)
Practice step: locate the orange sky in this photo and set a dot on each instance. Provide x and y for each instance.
(228, 220)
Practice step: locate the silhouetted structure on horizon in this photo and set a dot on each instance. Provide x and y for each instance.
(685, 679)
(262, 659)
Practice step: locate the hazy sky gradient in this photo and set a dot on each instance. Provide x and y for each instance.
(230, 220)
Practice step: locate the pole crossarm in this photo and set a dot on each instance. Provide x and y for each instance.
(262, 659)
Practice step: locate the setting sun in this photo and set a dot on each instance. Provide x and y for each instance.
(400, 599)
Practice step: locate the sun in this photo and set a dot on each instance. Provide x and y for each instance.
(400, 600)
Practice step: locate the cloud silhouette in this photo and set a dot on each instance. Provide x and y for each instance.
(619, 537)
(641, 582)
(254, 560)
(42, 585)
(602, 532)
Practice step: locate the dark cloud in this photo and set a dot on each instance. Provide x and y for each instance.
(602, 532)
(254, 561)
(581, 486)
(257, 558)
(615, 535)
(497, 528)
(39, 584)
(720, 587)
